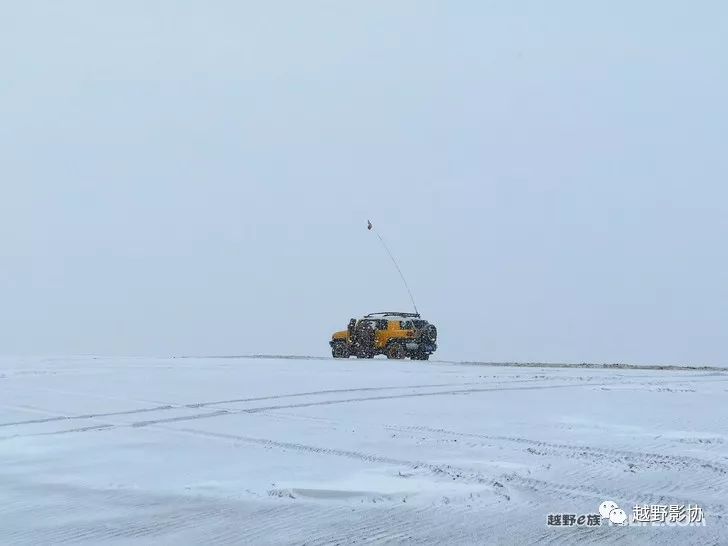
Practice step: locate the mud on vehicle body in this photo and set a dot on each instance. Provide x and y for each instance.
(396, 335)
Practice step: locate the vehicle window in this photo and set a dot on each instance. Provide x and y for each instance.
(406, 324)
(376, 324)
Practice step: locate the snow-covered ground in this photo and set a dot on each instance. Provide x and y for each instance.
(294, 451)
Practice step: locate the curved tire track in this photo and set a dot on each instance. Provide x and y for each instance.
(194, 405)
(459, 473)
(585, 452)
(222, 412)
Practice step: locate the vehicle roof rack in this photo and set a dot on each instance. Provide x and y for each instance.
(393, 314)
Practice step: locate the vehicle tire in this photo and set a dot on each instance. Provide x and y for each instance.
(429, 334)
(421, 356)
(396, 352)
(339, 350)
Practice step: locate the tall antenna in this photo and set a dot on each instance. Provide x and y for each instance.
(370, 227)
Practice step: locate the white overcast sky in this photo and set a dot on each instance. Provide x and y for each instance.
(195, 177)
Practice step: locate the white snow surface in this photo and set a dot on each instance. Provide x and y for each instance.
(317, 451)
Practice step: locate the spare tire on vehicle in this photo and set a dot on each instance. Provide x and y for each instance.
(429, 333)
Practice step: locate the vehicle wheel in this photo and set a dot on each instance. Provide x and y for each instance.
(395, 352)
(339, 350)
(429, 334)
(421, 356)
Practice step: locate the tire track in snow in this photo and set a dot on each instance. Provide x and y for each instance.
(666, 490)
(584, 382)
(342, 391)
(86, 416)
(575, 491)
(586, 452)
(443, 470)
(463, 474)
(224, 412)
(350, 400)
(149, 522)
(194, 405)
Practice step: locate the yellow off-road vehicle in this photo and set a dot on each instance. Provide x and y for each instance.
(397, 335)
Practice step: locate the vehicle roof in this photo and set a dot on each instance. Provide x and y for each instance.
(391, 316)
(392, 313)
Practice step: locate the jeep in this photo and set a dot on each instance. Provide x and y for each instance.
(396, 335)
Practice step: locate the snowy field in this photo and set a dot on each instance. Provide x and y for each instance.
(317, 451)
